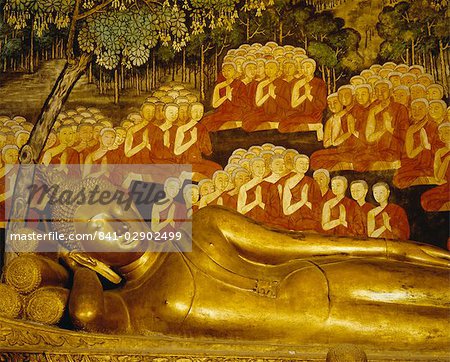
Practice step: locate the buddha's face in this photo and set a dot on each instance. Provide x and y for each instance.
(278, 52)
(239, 63)
(207, 188)
(171, 114)
(250, 71)
(419, 111)
(302, 165)
(258, 168)
(22, 139)
(289, 160)
(197, 112)
(434, 94)
(221, 182)
(436, 111)
(159, 112)
(345, 97)
(271, 70)
(401, 96)
(362, 96)
(278, 166)
(115, 220)
(289, 69)
(107, 138)
(11, 156)
(380, 193)
(191, 195)
(120, 137)
(382, 92)
(195, 194)
(183, 113)
(358, 191)
(85, 133)
(66, 136)
(444, 134)
(172, 188)
(418, 92)
(260, 69)
(338, 187)
(241, 178)
(148, 112)
(228, 72)
(245, 163)
(334, 105)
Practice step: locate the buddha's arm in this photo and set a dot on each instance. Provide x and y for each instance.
(257, 243)
(411, 152)
(327, 223)
(343, 137)
(181, 148)
(129, 150)
(260, 97)
(296, 99)
(371, 134)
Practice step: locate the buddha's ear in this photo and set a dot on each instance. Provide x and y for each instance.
(89, 262)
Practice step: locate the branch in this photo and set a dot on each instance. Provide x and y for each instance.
(256, 32)
(94, 10)
(289, 33)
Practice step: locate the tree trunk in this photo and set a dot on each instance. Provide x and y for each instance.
(90, 73)
(328, 80)
(147, 77)
(153, 70)
(202, 74)
(334, 80)
(183, 66)
(412, 53)
(280, 29)
(32, 48)
(442, 62)
(116, 86)
(30, 153)
(247, 28)
(173, 70)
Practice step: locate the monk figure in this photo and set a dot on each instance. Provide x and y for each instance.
(257, 284)
(166, 212)
(387, 122)
(100, 156)
(239, 177)
(359, 190)
(302, 198)
(221, 180)
(388, 221)
(271, 98)
(250, 199)
(438, 199)
(341, 215)
(191, 197)
(192, 141)
(308, 101)
(226, 101)
(417, 160)
(86, 139)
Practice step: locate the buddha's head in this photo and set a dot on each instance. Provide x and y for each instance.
(301, 164)
(172, 187)
(418, 91)
(96, 220)
(107, 137)
(289, 68)
(375, 68)
(395, 78)
(417, 70)
(357, 80)
(240, 176)
(345, 95)
(334, 104)
(258, 167)
(206, 187)
(256, 150)
(381, 192)
(308, 67)
(21, 138)
(191, 194)
(148, 111)
(250, 69)
(85, 132)
(10, 154)
(408, 79)
(66, 135)
(425, 79)
(2, 140)
(401, 95)
(260, 69)
(444, 132)
(359, 189)
(171, 113)
(229, 71)
(121, 134)
(183, 113)
(339, 185)
(271, 69)
(383, 90)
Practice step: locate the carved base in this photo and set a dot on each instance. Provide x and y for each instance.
(26, 341)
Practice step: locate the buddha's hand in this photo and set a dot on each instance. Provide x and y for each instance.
(417, 252)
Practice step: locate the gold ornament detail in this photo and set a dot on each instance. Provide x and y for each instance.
(10, 302)
(47, 305)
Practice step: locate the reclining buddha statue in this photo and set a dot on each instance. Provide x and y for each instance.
(244, 281)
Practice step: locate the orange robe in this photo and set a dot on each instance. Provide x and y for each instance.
(271, 197)
(309, 111)
(434, 199)
(364, 211)
(257, 213)
(228, 110)
(420, 166)
(389, 146)
(230, 201)
(306, 218)
(345, 152)
(193, 155)
(354, 218)
(398, 221)
(273, 110)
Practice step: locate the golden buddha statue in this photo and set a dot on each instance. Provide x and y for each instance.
(245, 281)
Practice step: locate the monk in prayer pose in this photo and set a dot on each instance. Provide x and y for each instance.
(191, 196)
(117, 153)
(221, 180)
(302, 198)
(437, 111)
(401, 95)
(308, 101)
(239, 177)
(359, 190)
(250, 85)
(100, 156)
(438, 198)
(417, 159)
(341, 215)
(250, 202)
(322, 178)
(387, 220)
(272, 100)
(192, 141)
(162, 137)
(387, 122)
(226, 100)
(86, 139)
(167, 214)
